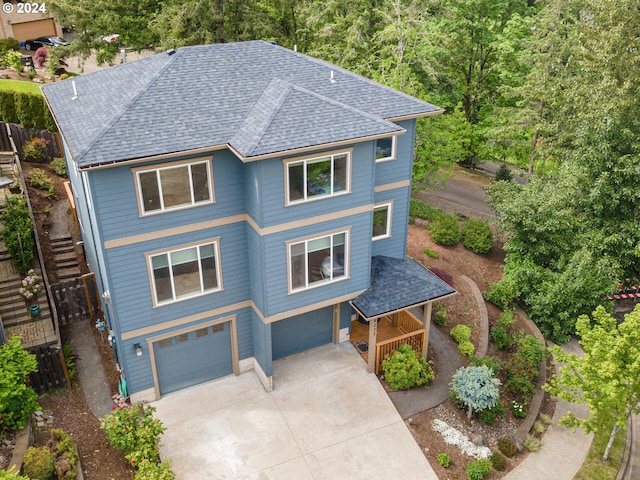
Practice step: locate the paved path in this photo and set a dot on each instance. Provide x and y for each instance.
(562, 452)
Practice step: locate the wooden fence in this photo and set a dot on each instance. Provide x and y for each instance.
(21, 136)
(414, 335)
(77, 299)
(52, 371)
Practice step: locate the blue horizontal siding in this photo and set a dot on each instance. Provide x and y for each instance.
(131, 290)
(396, 245)
(274, 211)
(275, 265)
(116, 203)
(401, 168)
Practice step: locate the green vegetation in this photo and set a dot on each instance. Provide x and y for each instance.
(478, 469)
(606, 377)
(39, 463)
(476, 235)
(406, 368)
(425, 211)
(65, 449)
(593, 467)
(26, 108)
(531, 443)
(42, 181)
(444, 459)
(137, 433)
(17, 400)
(507, 447)
(476, 388)
(59, 166)
(502, 331)
(461, 333)
(20, 86)
(440, 316)
(444, 230)
(17, 234)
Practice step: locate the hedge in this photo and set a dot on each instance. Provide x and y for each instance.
(28, 109)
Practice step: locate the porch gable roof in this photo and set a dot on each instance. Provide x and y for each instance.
(397, 284)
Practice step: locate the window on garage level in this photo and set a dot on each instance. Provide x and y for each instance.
(318, 260)
(185, 272)
(174, 186)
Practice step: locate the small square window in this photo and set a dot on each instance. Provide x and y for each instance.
(184, 337)
(385, 149)
(202, 332)
(165, 342)
(218, 328)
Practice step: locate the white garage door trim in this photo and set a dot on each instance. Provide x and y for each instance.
(234, 346)
(34, 29)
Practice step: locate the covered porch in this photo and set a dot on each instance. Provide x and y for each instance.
(387, 311)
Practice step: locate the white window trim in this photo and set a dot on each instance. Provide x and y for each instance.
(164, 166)
(389, 206)
(310, 158)
(306, 240)
(152, 282)
(394, 146)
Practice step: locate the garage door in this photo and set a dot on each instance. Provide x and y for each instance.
(38, 28)
(300, 333)
(194, 357)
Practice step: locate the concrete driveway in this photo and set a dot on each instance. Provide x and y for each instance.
(327, 418)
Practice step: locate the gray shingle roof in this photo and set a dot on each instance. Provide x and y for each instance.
(257, 97)
(397, 284)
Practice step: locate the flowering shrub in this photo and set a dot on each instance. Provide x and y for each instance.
(460, 440)
(30, 285)
(34, 150)
(406, 368)
(491, 416)
(518, 409)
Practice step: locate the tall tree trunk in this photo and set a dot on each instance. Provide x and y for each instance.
(605, 457)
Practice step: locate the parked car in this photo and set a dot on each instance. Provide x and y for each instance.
(45, 42)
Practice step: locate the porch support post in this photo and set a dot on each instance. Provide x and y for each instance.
(336, 324)
(373, 333)
(426, 323)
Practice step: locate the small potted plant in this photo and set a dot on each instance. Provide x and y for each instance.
(30, 287)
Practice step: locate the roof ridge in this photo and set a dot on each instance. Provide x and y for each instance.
(115, 118)
(345, 106)
(282, 94)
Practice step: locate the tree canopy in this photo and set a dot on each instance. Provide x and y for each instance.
(606, 377)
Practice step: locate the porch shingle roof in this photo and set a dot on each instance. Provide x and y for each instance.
(397, 284)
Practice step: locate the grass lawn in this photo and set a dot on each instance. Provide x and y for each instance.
(20, 86)
(593, 467)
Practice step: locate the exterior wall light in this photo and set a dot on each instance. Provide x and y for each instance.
(138, 349)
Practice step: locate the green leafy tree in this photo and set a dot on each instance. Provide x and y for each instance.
(17, 400)
(606, 377)
(476, 388)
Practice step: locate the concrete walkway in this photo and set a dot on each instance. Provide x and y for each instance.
(327, 418)
(562, 452)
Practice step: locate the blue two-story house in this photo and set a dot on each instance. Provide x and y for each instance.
(231, 199)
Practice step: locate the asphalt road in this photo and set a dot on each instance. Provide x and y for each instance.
(463, 193)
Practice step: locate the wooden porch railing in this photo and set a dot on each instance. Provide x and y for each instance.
(414, 336)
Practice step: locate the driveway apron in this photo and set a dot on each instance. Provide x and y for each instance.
(326, 418)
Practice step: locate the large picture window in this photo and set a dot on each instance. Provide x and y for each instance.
(318, 260)
(185, 272)
(385, 149)
(318, 177)
(381, 221)
(174, 186)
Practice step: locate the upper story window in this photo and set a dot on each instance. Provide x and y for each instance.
(385, 149)
(311, 178)
(318, 260)
(174, 186)
(381, 221)
(184, 272)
